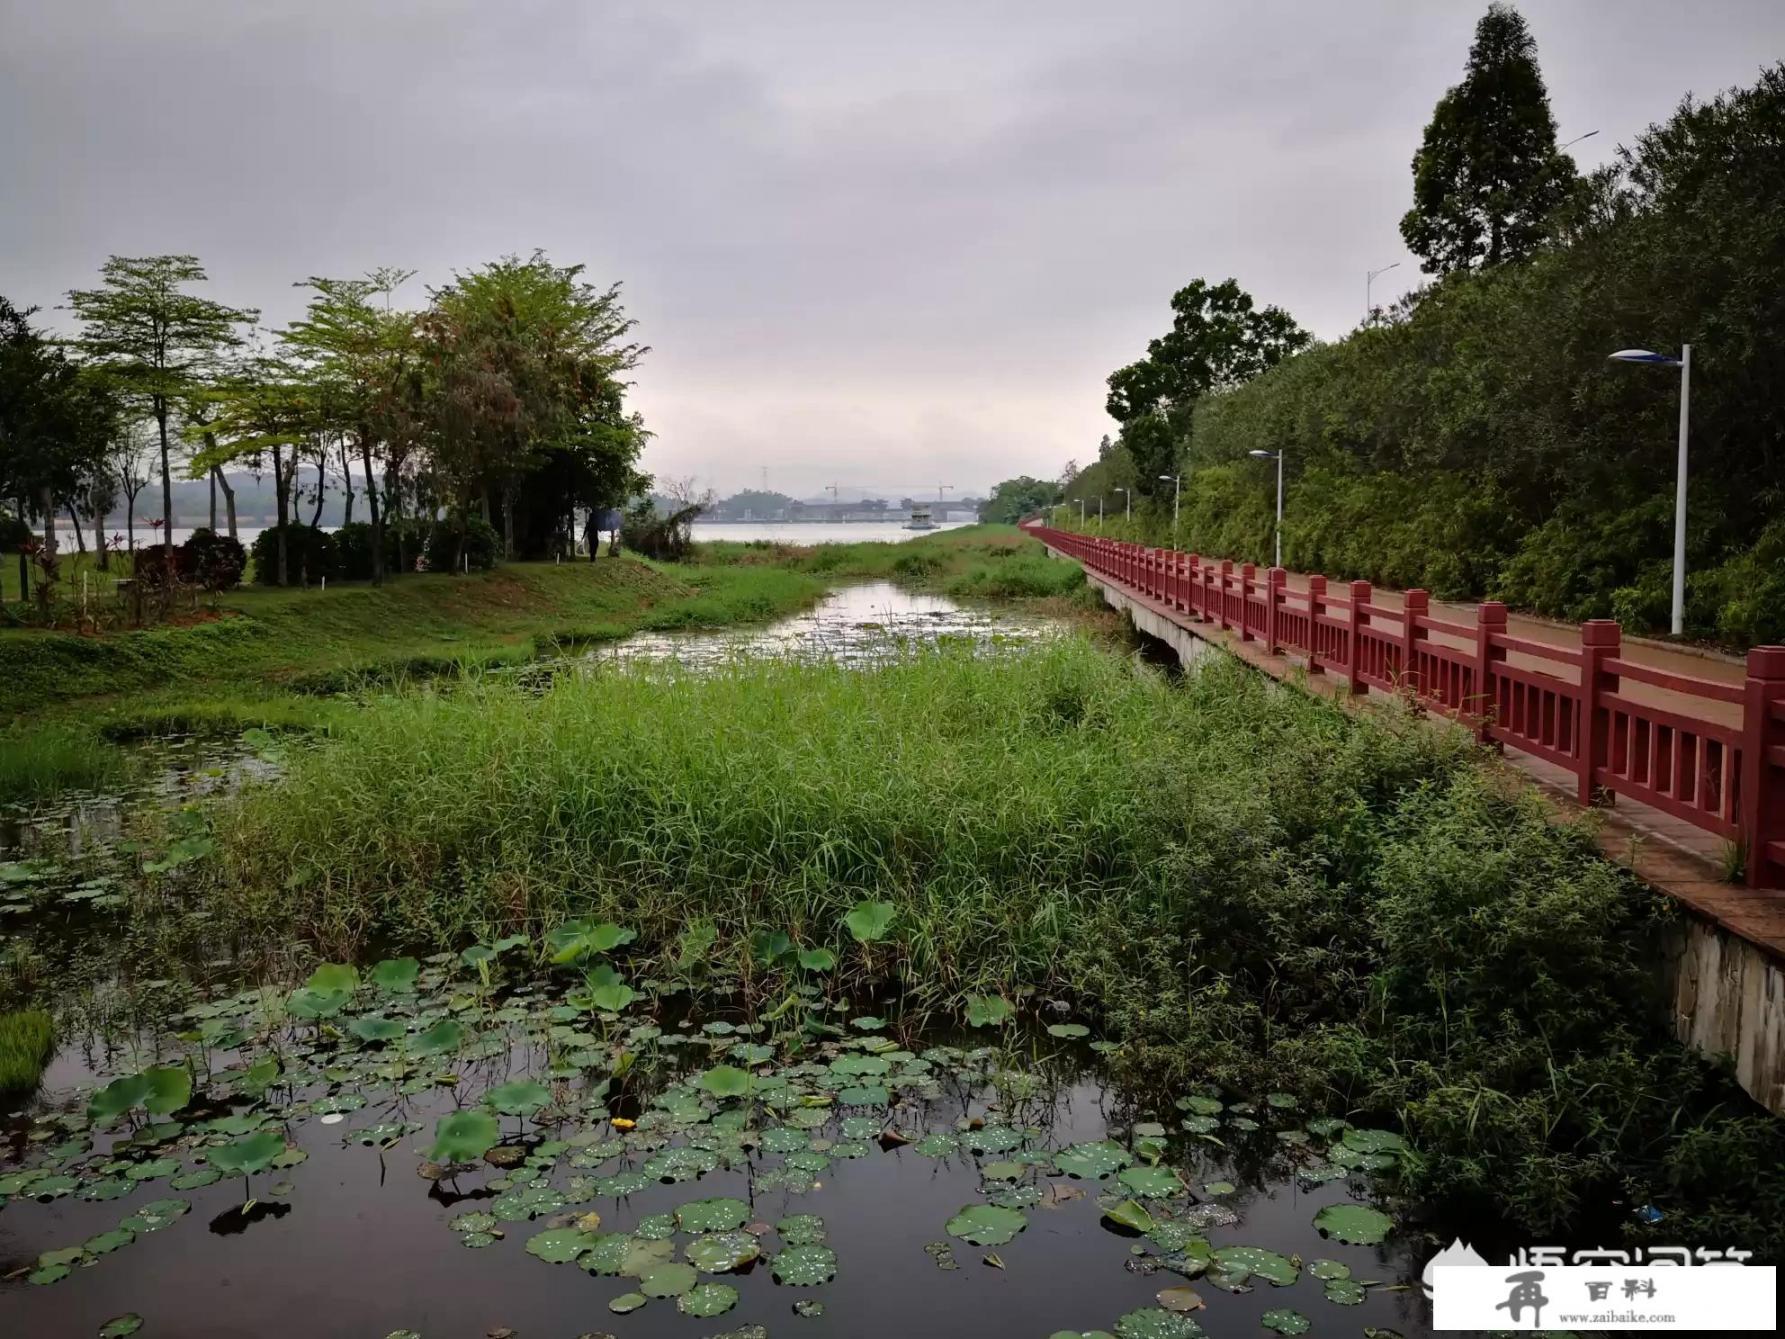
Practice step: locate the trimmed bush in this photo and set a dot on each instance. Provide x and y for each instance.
(214, 561)
(309, 554)
(461, 541)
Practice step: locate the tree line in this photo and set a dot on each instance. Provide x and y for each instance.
(1475, 439)
(500, 403)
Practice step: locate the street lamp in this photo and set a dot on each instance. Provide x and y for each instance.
(1278, 457)
(1370, 277)
(1576, 140)
(1100, 513)
(1684, 363)
(1177, 496)
(1130, 499)
(1081, 513)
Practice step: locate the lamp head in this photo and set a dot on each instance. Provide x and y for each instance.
(1643, 356)
(1263, 455)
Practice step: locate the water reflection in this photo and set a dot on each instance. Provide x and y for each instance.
(856, 624)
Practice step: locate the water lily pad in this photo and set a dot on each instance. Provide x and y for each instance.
(667, 1280)
(783, 1139)
(1245, 1261)
(801, 1229)
(396, 976)
(626, 1303)
(1068, 1030)
(721, 1214)
(373, 1028)
(1153, 1183)
(464, 1136)
(707, 1299)
(1285, 1321)
(1093, 1160)
(1200, 1105)
(724, 1081)
(1353, 1224)
(1373, 1141)
(1328, 1270)
(986, 1225)
(118, 1327)
(937, 1145)
(246, 1156)
(722, 1252)
(1345, 1292)
(446, 1035)
(988, 1011)
(107, 1242)
(805, 1266)
(1219, 1188)
(517, 1206)
(1154, 1322)
(992, 1139)
(520, 1097)
(622, 1184)
(155, 1215)
(1132, 1216)
(642, 1256)
(1180, 1299)
(559, 1245)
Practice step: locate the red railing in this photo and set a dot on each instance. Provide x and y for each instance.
(1703, 750)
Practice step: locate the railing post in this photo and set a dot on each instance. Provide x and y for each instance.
(1275, 581)
(1221, 589)
(1490, 621)
(1763, 767)
(1415, 605)
(1193, 587)
(1600, 641)
(1316, 608)
(1248, 573)
(1354, 657)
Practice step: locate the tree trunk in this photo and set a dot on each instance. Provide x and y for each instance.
(346, 484)
(280, 485)
(365, 457)
(222, 481)
(167, 483)
(213, 501)
(507, 523)
(80, 537)
(49, 522)
(105, 550)
(321, 488)
(24, 562)
(130, 522)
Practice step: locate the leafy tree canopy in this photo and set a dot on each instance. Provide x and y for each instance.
(1016, 498)
(1488, 176)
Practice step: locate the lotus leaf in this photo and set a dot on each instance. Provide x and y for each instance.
(1353, 1224)
(1285, 1321)
(373, 1028)
(805, 1266)
(396, 976)
(1181, 1300)
(519, 1097)
(446, 1035)
(721, 1214)
(641, 1256)
(1244, 1261)
(868, 921)
(937, 1145)
(1156, 1323)
(817, 959)
(247, 1156)
(986, 1225)
(626, 1303)
(722, 1252)
(1068, 1030)
(1153, 1183)
(1373, 1141)
(118, 1327)
(464, 1136)
(801, 1229)
(559, 1245)
(1132, 1216)
(707, 1299)
(656, 1227)
(726, 1081)
(1093, 1160)
(1200, 1105)
(1345, 1292)
(1328, 1270)
(671, 1279)
(606, 1254)
(575, 940)
(988, 1011)
(991, 1139)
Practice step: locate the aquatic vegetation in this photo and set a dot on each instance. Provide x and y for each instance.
(27, 1040)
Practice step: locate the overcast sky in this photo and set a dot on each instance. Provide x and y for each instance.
(888, 245)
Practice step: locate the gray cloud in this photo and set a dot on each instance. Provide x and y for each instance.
(887, 245)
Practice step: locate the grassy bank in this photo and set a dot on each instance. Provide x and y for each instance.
(1240, 882)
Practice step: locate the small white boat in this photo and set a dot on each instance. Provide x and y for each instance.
(920, 519)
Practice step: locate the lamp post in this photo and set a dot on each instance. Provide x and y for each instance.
(1576, 140)
(1081, 513)
(1129, 496)
(1278, 457)
(1370, 277)
(1684, 363)
(1177, 497)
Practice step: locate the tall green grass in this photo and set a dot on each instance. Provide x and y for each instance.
(27, 1041)
(40, 760)
(1238, 881)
